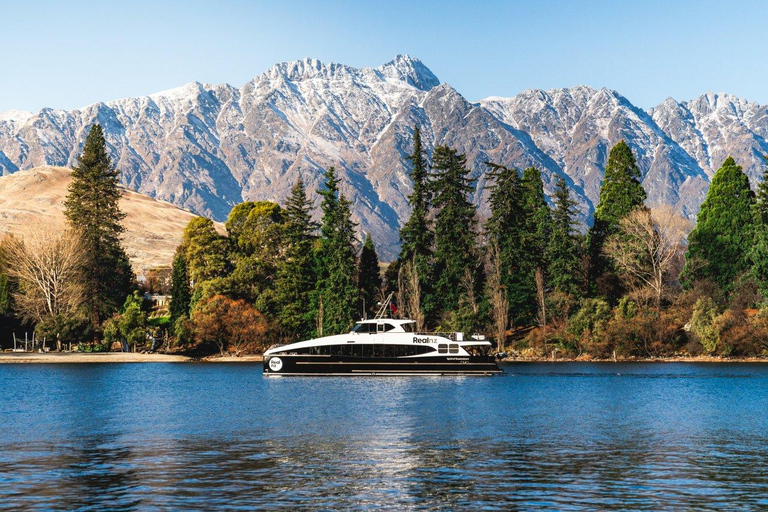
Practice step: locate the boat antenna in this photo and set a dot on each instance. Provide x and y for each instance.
(384, 307)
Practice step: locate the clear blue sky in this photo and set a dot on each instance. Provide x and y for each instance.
(70, 54)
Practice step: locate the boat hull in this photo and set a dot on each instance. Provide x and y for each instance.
(281, 364)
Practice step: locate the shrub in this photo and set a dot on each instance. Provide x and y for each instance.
(703, 324)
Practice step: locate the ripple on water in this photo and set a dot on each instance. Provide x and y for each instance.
(546, 436)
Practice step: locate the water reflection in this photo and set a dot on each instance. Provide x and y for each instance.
(647, 439)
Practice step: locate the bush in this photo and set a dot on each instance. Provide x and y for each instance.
(703, 324)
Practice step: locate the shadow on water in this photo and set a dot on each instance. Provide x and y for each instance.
(205, 436)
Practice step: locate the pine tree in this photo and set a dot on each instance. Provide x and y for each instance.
(720, 244)
(416, 236)
(296, 274)
(620, 193)
(337, 291)
(535, 236)
(92, 207)
(759, 252)
(181, 296)
(369, 276)
(564, 248)
(456, 258)
(506, 228)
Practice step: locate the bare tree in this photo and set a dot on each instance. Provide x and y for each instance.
(648, 249)
(497, 294)
(413, 294)
(46, 261)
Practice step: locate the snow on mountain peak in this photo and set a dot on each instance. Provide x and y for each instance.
(410, 70)
(15, 115)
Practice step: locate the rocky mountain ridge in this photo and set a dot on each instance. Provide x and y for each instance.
(207, 147)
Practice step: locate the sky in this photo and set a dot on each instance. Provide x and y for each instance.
(71, 54)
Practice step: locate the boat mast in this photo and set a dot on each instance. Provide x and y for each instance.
(383, 307)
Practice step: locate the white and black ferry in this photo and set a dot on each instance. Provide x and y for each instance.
(383, 346)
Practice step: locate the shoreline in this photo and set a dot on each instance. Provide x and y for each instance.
(672, 359)
(130, 357)
(114, 357)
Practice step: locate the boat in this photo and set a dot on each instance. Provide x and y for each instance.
(384, 346)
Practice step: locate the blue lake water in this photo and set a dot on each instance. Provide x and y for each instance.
(552, 436)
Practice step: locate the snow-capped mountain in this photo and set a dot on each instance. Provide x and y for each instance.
(207, 147)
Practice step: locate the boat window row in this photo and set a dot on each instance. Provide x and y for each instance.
(364, 350)
(446, 348)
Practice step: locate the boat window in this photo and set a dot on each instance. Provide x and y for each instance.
(364, 328)
(385, 327)
(380, 350)
(408, 327)
(442, 348)
(453, 348)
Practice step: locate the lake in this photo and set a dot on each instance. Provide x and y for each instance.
(544, 436)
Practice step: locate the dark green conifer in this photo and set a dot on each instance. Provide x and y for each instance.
(296, 278)
(506, 225)
(720, 244)
(534, 240)
(759, 252)
(455, 227)
(416, 236)
(337, 290)
(369, 276)
(620, 193)
(181, 295)
(92, 207)
(564, 248)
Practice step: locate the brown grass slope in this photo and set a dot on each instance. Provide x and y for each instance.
(153, 228)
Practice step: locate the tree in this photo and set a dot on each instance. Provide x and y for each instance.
(92, 207)
(46, 262)
(759, 252)
(719, 246)
(564, 248)
(229, 323)
(497, 293)
(258, 252)
(620, 193)
(505, 230)
(369, 276)
(206, 251)
(535, 236)
(296, 279)
(416, 236)
(130, 326)
(181, 296)
(648, 250)
(337, 290)
(455, 224)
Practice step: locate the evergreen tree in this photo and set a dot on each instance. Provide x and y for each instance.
(92, 207)
(181, 296)
(416, 236)
(759, 253)
(296, 274)
(534, 240)
(719, 246)
(506, 227)
(337, 291)
(564, 248)
(369, 276)
(456, 260)
(620, 193)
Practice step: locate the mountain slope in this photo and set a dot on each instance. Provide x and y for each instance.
(153, 228)
(207, 147)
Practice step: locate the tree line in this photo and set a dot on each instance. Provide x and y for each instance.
(637, 283)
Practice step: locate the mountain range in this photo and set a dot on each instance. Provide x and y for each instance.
(208, 147)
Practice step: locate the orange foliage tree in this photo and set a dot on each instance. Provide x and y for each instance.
(229, 323)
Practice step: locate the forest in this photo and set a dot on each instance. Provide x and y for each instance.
(641, 282)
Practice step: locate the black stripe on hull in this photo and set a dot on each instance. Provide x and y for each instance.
(339, 365)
